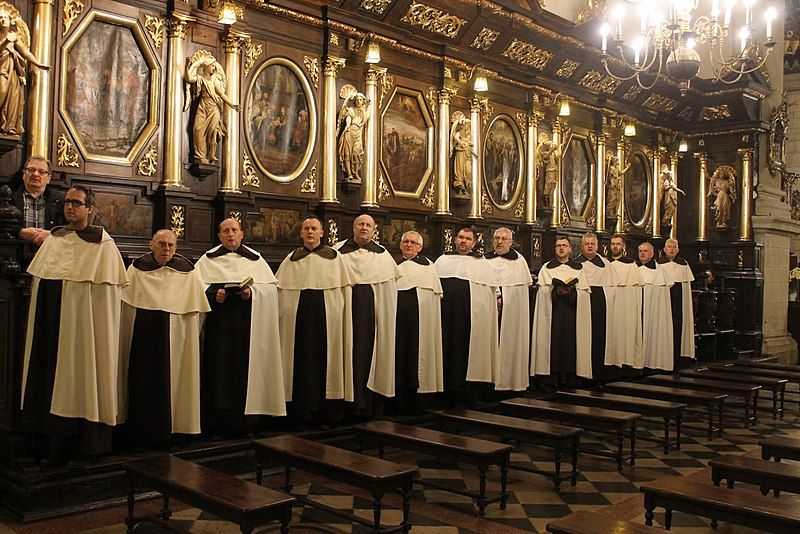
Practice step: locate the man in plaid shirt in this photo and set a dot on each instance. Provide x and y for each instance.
(41, 209)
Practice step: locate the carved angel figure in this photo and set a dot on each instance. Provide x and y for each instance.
(461, 145)
(548, 154)
(669, 195)
(205, 85)
(614, 174)
(15, 40)
(723, 188)
(352, 119)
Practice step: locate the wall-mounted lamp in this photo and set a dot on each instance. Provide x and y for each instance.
(373, 53)
(630, 130)
(480, 85)
(229, 13)
(563, 104)
(683, 146)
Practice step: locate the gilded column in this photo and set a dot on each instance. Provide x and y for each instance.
(600, 184)
(655, 219)
(558, 131)
(173, 129)
(329, 125)
(622, 145)
(369, 181)
(673, 168)
(476, 118)
(233, 66)
(745, 228)
(530, 167)
(41, 97)
(702, 213)
(443, 152)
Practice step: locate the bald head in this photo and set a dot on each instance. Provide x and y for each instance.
(646, 252)
(363, 229)
(230, 234)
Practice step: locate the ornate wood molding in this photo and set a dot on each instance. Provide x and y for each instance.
(177, 220)
(148, 165)
(155, 28)
(67, 155)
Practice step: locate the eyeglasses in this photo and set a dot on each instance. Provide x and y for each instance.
(500, 238)
(34, 170)
(75, 203)
(409, 242)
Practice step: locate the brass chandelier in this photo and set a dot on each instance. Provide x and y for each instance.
(670, 30)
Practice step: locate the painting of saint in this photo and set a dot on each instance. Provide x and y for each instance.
(637, 189)
(404, 142)
(502, 162)
(577, 175)
(278, 120)
(274, 227)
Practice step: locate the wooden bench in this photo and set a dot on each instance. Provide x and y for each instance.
(585, 417)
(667, 411)
(238, 501)
(767, 475)
(768, 365)
(775, 385)
(748, 392)
(371, 474)
(790, 375)
(710, 401)
(780, 447)
(478, 452)
(585, 522)
(560, 438)
(740, 507)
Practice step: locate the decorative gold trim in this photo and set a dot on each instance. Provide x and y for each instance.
(599, 83)
(249, 175)
(519, 211)
(312, 66)
(333, 39)
(485, 39)
(427, 198)
(67, 155)
(686, 113)
(487, 110)
(564, 217)
(383, 189)
(376, 234)
(448, 240)
(385, 83)
(433, 20)
(333, 232)
(591, 219)
(658, 102)
(72, 9)
(155, 27)
(567, 68)
(309, 185)
(480, 243)
(177, 220)
(522, 122)
(486, 204)
(740, 259)
(376, 6)
(519, 184)
(713, 113)
(432, 96)
(528, 54)
(594, 9)
(632, 92)
(236, 215)
(148, 165)
(536, 247)
(252, 53)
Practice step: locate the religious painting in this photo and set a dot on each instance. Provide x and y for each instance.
(502, 162)
(637, 189)
(120, 215)
(576, 178)
(280, 119)
(407, 142)
(274, 227)
(393, 232)
(109, 88)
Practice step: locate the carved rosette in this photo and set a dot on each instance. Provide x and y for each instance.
(433, 20)
(148, 165)
(427, 198)
(485, 39)
(383, 189)
(448, 239)
(376, 6)
(312, 66)
(251, 54)
(486, 204)
(333, 232)
(72, 9)
(155, 28)
(249, 175)
(309, 185)
(236, 215)
(177, 220)
(67, 155)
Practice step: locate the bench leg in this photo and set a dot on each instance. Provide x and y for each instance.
(755, 409)
(721, 409)
(503, 483)
(259, 468)
(130, 520)
(649, 506)
(747, 400)
(287, 517)
(764, 490)
(765, 454)
(713, 523)
(710, 422)
(557, 478)
(731, 482)
(376, 510)
(633, 444)
(666, 435)
(482, 491)
(576, 445)
(667, 519)
(716, 476)
(287, 477)
(774, 404)
(246, 528)
(407, 507)
(783, 398)
(678, 425)
(620, 449)
(166, 513)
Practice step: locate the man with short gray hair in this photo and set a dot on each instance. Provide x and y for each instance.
(656, 316)
(513, 280)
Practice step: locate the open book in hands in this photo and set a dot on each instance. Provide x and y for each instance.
(238, 288)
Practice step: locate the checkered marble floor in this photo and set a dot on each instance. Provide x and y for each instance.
(532, 502)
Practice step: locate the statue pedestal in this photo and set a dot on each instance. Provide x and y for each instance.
(201, 170)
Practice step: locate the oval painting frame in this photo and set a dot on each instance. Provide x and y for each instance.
(499, 176)
(280, 122)
(637, 190)
(577, 196)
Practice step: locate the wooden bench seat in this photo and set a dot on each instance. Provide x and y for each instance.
(748, 392)
(712, 402)
(768, 365)
(788, 374)
(560, 438)
(776, 386)
(767, 475)
(371, 474)
(741, 506)
(238, 501)
(667, 411)
(478, 452)
(585, 417)
(586, 522)
(780, 447)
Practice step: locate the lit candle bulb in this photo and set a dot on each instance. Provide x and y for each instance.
(729, 5)
(743, 35)
(770, 15)
(748, 11)
(715, 9)
(605, 29)
(637, 47)
(619, 12)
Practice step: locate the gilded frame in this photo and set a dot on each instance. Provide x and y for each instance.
(519, 182)
(583, 143)
(648, 173)
(153, 98)
(295, 69)
(430, 139)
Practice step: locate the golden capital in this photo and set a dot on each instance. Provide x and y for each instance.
(702, 157)
(675, 157)
(332, 65)
(373, 73)
(445, 93)
(745, 153)
(536, 117)
(478, 104)
(177, 25)
(234, 41)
